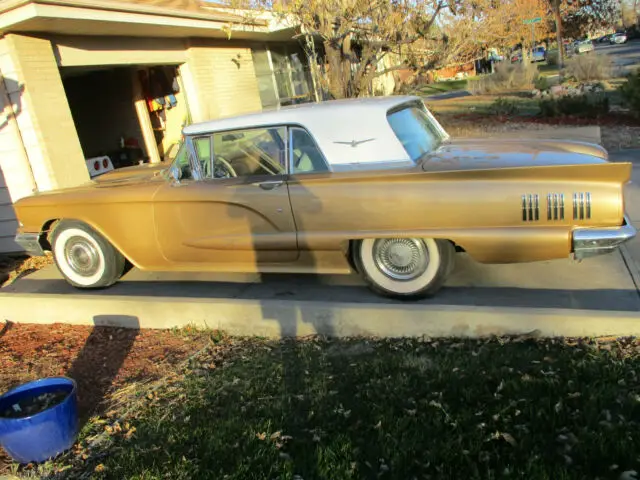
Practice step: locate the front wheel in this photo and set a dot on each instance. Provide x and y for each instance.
(406, 268)
(84, 257)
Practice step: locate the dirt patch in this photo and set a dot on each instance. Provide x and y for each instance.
(99, 359)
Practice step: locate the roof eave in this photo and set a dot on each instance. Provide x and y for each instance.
(133, 8)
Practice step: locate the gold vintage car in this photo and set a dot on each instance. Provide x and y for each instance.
(372, 185)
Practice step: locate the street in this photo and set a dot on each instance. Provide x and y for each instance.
(626, 55)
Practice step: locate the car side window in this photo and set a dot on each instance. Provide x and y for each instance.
(306, 157)
(183, 162)
(240, 153)
(202, 147)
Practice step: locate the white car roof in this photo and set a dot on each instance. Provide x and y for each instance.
(351, 131)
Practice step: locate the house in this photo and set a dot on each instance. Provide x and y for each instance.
(93, 84)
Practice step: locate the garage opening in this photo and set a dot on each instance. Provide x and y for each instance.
(125, 116)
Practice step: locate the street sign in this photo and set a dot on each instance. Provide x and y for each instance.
(532, 20)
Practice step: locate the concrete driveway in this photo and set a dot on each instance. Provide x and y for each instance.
(600, 283)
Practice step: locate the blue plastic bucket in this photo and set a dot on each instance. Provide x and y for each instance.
(44, 435)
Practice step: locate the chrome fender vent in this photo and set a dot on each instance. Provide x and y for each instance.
(555, 206)
(530, 207)
(581, 205)
(530, 204)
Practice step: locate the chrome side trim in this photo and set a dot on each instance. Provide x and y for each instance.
(530, 207)
(581, 205)
(555, 206)
(588, 242)
(30, 242)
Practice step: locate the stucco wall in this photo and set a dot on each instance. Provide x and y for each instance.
(16, 180)
(47, 128)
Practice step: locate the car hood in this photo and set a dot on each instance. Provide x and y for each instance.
(138, 173)
(489, 153)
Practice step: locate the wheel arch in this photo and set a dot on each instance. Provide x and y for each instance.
(49, 227)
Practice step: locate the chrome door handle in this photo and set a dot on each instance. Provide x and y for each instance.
(269, 184)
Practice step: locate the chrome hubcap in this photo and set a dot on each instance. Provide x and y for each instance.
(401, 258)
(82, 256)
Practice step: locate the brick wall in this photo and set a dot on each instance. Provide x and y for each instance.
(224, 79)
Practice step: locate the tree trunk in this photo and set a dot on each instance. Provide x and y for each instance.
(556, 12)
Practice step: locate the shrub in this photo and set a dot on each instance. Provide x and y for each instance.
(552, 57)
(589, 67)
(630, 91)
(507, 76)
(503, 106)
(588, 105)
(541, 83)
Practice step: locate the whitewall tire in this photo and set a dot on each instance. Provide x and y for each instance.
(84, 257)
(404, 267)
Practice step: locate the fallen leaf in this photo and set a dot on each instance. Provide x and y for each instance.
(275, 435)
(99, 468)
(261, 436)
(509, 439)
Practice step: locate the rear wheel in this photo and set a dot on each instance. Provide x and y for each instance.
(84, 257)
(405, 267)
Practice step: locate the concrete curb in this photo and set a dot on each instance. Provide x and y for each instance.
(272, 318)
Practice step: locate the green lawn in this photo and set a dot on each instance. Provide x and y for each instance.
(443, 87)
(484, 104)
(396, 409)
(547, 70)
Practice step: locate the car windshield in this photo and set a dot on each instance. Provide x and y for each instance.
(415, 130)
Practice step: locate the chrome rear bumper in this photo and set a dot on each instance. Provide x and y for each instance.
(588, 242)
(30, 242)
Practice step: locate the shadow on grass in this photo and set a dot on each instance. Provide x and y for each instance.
(396, 409)
(98, 363)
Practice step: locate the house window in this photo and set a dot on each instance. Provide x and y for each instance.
(282, 74)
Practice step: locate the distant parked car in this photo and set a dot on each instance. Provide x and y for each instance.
(539, 54)
(618, 38)
(516, 56)
(583, 46)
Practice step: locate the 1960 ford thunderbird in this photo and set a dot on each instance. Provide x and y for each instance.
(374, 186)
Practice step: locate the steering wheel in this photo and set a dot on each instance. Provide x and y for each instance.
(223, 169)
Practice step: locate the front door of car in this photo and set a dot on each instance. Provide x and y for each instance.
(231, 206)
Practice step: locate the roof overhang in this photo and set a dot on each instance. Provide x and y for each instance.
(103, 17)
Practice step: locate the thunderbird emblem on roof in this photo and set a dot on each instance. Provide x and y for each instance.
(355, 143)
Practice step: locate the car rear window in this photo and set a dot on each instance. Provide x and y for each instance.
(415, 130)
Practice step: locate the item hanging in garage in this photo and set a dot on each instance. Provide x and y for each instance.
(157, 90)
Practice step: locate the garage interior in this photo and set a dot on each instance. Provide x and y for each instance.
(118, 111)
